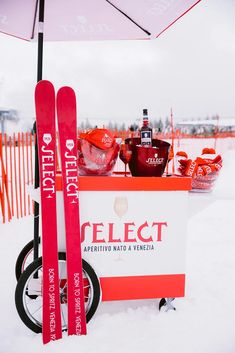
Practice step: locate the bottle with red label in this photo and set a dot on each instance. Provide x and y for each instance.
(146, 132)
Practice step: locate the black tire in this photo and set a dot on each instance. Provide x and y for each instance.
(161, 303)
(166, 304)
(24, 259)
(25, 300)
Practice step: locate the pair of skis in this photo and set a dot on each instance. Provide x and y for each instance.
(46, 106)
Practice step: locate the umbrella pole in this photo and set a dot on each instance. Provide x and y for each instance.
(40, 39)
(36, 175)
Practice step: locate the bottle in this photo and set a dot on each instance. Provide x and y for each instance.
(146, 131)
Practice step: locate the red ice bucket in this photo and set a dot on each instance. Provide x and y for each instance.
(148, 161)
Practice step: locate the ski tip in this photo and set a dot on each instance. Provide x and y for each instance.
(66, 90)
(66, 97)
(43, 89)
(44, 83)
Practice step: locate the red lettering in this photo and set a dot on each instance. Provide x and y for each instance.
(127, 230)
(159, 229)
(96, 230)
(105, 232)
(83, 228)
(139, 233)
(111, 235)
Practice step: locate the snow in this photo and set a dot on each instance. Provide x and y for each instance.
(204, 318)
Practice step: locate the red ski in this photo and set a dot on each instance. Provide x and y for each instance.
(46, 137)
(67, 125)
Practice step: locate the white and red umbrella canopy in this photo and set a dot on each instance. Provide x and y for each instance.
(84, 20)
(72, 20)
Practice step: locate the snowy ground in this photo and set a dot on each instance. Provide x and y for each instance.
(204, 319)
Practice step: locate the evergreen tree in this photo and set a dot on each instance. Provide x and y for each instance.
(122, 127)
(167, 123)
(87, 124)
(160, 125)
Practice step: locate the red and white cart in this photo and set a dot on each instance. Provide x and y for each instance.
(133, 232)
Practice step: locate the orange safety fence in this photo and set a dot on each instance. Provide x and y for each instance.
(16, 175)
(17, 164)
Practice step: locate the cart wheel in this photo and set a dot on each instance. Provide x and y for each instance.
(28, 294)
(24, 259)
(166, 303)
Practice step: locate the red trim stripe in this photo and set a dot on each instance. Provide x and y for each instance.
(178, 18)
(118, 183)
(142, 287)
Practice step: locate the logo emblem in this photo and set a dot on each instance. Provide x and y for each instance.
(47, 138)
(70, 144)
(107, 140)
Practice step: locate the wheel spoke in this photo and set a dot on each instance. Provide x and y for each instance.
(37, 310)
(64, 315)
